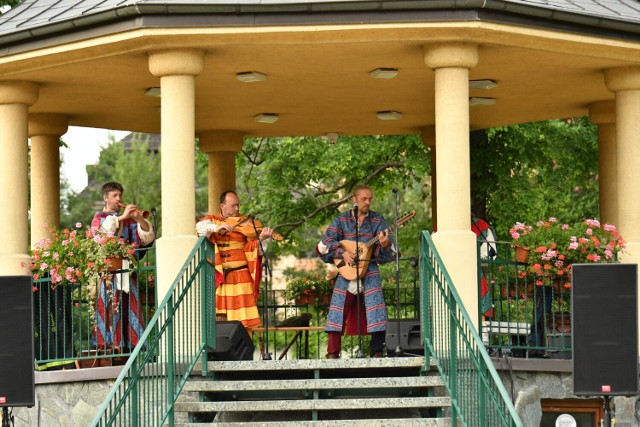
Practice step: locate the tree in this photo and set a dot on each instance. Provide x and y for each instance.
(532, 171)
(137, 169)
(5, 5)
(299, 184)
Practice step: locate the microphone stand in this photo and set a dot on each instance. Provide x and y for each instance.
(360, 353)
(399, 350)
(7, 419)
(265, 295)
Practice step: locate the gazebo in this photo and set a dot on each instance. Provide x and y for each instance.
(224, 70)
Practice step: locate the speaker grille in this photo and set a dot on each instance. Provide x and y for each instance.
(605, 329)
(16, 341)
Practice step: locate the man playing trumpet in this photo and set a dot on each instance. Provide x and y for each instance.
(132, 227)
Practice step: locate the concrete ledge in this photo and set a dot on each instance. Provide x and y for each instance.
(538, 365)
(77, 375)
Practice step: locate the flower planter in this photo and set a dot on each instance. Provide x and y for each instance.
(115, 264)
(306, 299)
(313, 298)
(522, 254)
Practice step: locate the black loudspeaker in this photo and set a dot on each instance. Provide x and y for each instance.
(605, 329)
(232, 342)
(17, 381)
(410, 340)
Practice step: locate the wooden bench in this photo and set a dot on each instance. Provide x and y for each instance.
(299, 330)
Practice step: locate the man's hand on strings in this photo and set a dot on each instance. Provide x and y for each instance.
(383, 238)
(348, 257)
(266, 233)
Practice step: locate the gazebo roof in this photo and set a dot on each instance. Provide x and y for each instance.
(42, 18)
(91, 59)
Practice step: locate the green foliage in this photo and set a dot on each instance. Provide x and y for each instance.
(138, 170)
(537, 170)
(10, 3)
(300, 184)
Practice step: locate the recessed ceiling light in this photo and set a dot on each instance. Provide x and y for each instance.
(482, 84)
(153, 92)
(474, 102)
(251, 76)
(389, 115)
(266, 118)
(383, 73)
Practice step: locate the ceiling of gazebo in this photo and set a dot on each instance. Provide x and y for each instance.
(317, 76)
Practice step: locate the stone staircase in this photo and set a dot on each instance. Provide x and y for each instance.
(354, 392)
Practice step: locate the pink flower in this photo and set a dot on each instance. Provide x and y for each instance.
(78, 225)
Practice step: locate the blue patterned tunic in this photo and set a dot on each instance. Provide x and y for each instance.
(343, 227)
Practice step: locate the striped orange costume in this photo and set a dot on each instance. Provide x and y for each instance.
(237, 274)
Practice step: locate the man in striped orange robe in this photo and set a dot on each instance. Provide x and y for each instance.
(238, 261)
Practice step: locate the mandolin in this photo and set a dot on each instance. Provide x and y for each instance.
(365, 249)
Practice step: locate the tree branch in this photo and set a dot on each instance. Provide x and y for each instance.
(347, 185)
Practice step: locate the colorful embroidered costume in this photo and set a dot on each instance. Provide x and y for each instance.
(343, 228)
(237, 272)
(112, 327)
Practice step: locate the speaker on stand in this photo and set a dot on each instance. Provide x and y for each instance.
(17, 387)
(605, 331)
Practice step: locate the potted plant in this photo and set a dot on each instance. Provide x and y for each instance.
(554, 247)
(78, 256)
(75, 259)
(305, 290)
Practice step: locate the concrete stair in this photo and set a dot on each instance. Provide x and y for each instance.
(354, 392)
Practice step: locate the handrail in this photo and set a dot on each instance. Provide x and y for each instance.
(150, 382)
(478, 396)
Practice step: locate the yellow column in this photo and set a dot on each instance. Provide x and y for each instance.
(177, 70)
(625, 82)
(221, 147)
(15, 99)
(603, 114)
(429, 141)
(454, 239)
(45, 131)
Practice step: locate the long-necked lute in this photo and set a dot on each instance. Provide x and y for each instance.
(365, 250)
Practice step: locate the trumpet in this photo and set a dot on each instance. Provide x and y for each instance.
(145, 214)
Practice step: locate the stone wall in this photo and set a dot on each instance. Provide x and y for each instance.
(530, 381)
(66, 398)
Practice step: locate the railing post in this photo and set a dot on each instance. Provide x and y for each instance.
(171, 374)
(135, 419)
(205, 316)
(453, 356)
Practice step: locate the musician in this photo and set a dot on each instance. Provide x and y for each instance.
(343, 309)
(133, 228)
(237, 260)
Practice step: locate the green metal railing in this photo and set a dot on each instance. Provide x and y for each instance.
(524, 320)
(478, 396)
(174, 342)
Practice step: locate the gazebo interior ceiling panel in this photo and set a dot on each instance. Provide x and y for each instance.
(316, 85)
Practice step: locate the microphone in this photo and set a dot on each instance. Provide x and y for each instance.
(395, 190)
(251, 217)
(355, 210)
(153, 211)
